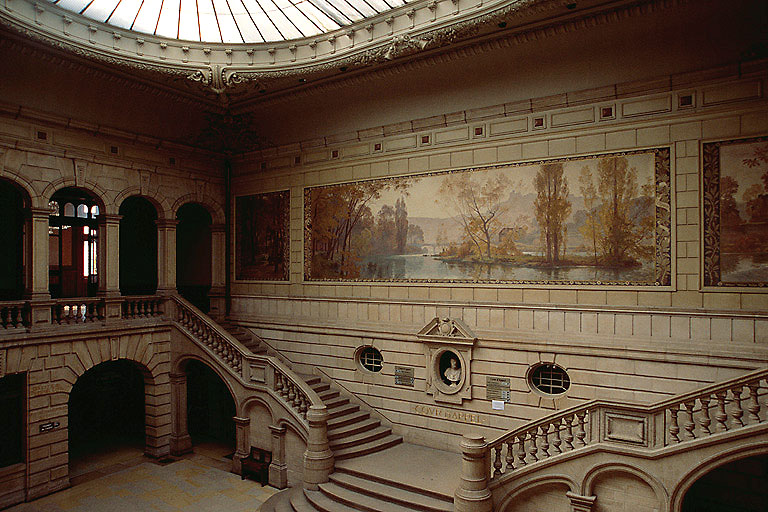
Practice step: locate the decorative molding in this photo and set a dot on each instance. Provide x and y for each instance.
(447, 330)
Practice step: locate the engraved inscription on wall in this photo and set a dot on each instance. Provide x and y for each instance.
(451, 414)
(497, 388)
(404, 376)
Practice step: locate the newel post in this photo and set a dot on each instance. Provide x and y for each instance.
(318, 458)
(473, 494)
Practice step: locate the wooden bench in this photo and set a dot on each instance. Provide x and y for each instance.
(256, 466)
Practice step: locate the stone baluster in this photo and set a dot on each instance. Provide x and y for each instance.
(753, 407)
(581, 433)
(736, 411)
(705, 420)
(521, 450)
(556, 441)
(568, 438)
(674, 429)
(689, 424)
(720, 415)
(497, 461)
(510, 460)
(533, 447)
(473, 494)
(318, 458)
(543, 433)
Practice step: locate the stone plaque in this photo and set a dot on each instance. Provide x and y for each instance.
(497, 388)
(623, 427)
(404, 376)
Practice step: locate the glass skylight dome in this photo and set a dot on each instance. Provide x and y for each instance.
(230, 21)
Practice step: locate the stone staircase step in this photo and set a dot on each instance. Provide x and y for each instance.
(394, 493)
(363, 475)
(353, 428)
(366, 448)
(328, 394)
(317, 501)
(319, 388)
(311, 380)
(299, 500)
(356, 500)
(336, 401)
(348, 419)
(360, 438)
(342, 410)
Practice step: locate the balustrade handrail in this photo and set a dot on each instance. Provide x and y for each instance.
(640, 408)
(246, 356)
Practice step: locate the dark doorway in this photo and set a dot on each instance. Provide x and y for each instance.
(138, 247)
(13, 230)
(12, 405)
(193, 254)
(73, 244)
(106, 412)
(738, 486)
(210, 407)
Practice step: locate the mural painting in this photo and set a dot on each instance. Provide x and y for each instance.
(735, 211)
(601, 219)
(262, 237)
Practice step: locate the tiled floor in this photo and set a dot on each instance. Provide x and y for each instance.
(125, 480)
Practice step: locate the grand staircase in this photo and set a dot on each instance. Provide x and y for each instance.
(243, 336)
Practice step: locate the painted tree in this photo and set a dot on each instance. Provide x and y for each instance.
(478, 206)
(729, 211)
(591, 227)
(626, 220)
(401, 226)
(552, 208)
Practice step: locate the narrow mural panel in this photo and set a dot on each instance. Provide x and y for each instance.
(602, 219)
(262, 237)
(736, 213)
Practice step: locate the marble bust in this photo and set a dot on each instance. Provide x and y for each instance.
(453, 373)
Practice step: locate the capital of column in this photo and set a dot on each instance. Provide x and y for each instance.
(38, 213)
(166, 223)
(242, 422)
(178, 378)
(109, 219)
(218, 228)
(277, 430)
(580, 503)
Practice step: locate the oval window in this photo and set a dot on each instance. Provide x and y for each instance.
(549, 379)
(370, 359)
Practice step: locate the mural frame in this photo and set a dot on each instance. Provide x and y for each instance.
(286, 252)
(663, 234)
(711, 269)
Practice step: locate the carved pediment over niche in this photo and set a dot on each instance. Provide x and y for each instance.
(447, 330)
(448, 356)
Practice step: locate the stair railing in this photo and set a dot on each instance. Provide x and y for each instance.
(705, 412)
(251, 369)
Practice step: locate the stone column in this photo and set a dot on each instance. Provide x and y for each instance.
(166, 256)
(37, 287)
(218, 271)
(181, 443)
(318, 458)
(580, 503)
(473, 494)
(243, 427)
(278, 469)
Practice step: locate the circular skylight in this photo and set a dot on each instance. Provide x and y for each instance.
(230, 21)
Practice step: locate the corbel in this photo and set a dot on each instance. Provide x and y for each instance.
(271, 52)
(207, 52)
(185, 54)
(432, 6)
(391, 22)
(67, 22)
(163, 47)
(38, 13)
(139, 46)
(456, 4)
(293, 49)
(92, 33)
(332, 40)
(116, 40)
(412, 16)
(313, 46)
(369, 28)
(228, 52)
(249, 52)
(351, 36)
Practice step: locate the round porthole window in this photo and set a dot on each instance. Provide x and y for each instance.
(549, 379)
(370, 359)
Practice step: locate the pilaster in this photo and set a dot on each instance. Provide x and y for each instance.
(278, 469)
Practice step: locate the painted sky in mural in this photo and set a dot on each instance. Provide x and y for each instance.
(581, 220)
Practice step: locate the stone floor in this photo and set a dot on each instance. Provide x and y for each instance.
(125, 480)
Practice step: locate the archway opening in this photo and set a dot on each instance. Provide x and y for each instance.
(193, 254)
(12, 431)
(106, 417)
(14, 230)
(73, 235)
(210, 411)
(738, 486)
(138, 247)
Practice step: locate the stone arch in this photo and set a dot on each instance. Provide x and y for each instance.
(108, 208)
(542, 483)
(180, 367)
(210, 204)
(710, 464)
(250, 401)
(22, 183)
(290, 424)
(593, 476)
(158, 201)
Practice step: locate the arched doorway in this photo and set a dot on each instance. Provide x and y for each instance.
(138, 247)
(12, 424)
(738, 486)
(14, 230)
(106, 416)
(73, 243)
(210, 410)
(193, 254)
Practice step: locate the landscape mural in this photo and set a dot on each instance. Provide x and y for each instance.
(601, 219)
(736, 212)
(262, 244)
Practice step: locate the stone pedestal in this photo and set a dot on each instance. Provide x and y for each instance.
(243, 448)
(318, 458)
(473, 494)
(278, 469)
(181, 443)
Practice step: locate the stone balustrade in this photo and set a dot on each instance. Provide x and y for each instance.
(14, 315)
(142, 306)
(79, 310)
(706, 412)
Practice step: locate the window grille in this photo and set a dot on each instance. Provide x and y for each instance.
(550, 379)
(370, 359)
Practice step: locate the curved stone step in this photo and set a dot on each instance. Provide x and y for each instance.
(341, 421)
(349, 498)
(360, 438)
(317, 501)
(374, 446)
(353, 428)
(392, 493)
(342, 410)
